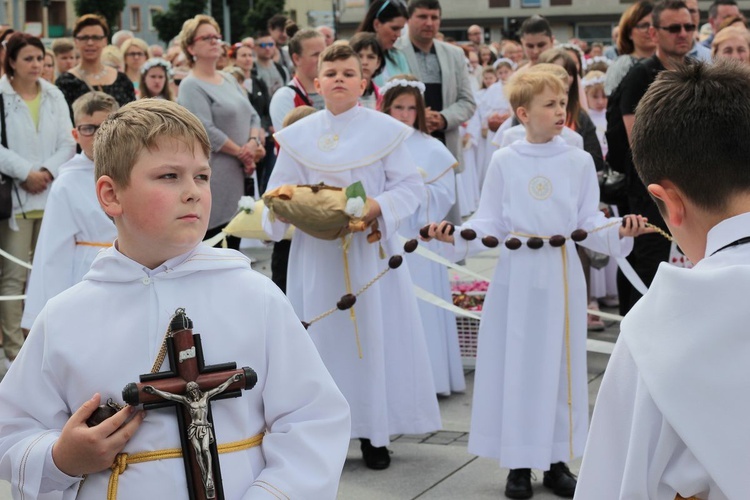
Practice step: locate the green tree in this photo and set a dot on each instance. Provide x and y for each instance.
(169, 22)
(262, 10)
(111, 10)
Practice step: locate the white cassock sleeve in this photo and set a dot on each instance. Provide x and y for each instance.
(632, 452)
(403, 190)
(607, 240)
(53, 256)
(286, 171)
(440, 195)
(487, 220)
(307, 418)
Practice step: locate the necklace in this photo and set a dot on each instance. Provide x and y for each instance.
(93, 76)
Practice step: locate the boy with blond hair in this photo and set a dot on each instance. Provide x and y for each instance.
(530, 407)
(378, 356)
(153, 178)
(74, 228)
(670, 420)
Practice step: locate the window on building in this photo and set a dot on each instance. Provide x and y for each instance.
(135, 18)
(531, 3)
(594, 32)
(152, 11)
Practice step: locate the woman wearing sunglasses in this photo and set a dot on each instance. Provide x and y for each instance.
(386, 18)
(232, 123)
(633, 43)
(90, 37)
(37, 128)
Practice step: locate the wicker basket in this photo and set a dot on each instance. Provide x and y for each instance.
(468, 330)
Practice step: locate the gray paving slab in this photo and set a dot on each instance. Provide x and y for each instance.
(415, 468)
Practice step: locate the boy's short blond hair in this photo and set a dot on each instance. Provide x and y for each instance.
(297, 114)
(189, 28)
(339, 52)
(92, 102)
(141, 124)
(522, 87)
(62, 46)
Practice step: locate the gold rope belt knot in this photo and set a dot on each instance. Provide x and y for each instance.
(122, 460)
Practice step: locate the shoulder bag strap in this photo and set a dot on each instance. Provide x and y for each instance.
(2, 121)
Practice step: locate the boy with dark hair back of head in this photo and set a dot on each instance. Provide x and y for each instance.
(384, 373)
(671, 417)
(287, 437)
(540, 197)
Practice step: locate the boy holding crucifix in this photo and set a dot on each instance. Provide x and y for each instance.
(153, 175)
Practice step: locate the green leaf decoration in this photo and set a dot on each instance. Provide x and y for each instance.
(356, 190)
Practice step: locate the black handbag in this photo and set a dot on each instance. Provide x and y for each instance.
(6, 182)
(612, 186)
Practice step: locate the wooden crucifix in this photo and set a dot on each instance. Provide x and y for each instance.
(189, 387)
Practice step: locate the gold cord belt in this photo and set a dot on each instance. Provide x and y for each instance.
(93, 244)
(122, 460)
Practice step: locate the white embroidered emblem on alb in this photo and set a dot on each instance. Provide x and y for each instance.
(328, 142)
(540, 188)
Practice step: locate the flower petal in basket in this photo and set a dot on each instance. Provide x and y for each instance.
(249, 225)
(318, 210)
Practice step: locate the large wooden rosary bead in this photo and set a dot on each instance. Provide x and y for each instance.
(513, 243)
(535, 243)
(469, 234)
(557, 240)
(578, 235)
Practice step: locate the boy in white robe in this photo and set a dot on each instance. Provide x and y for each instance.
(671, 415)
(291, 430)
(530, 407)
(75, 227)
(378, 357)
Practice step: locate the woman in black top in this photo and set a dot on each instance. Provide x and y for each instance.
(90, 34)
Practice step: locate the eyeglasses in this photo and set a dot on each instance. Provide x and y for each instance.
(90, 38)
(135, 54)
(209, 38)
(87, 130)
(675, 29)
(642, 26)
(266, 45)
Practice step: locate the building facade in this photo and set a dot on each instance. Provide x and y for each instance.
(55, 18)
(590, 20)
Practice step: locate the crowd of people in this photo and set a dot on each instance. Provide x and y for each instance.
(464, 138)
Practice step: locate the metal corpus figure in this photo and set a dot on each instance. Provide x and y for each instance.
(199, 431)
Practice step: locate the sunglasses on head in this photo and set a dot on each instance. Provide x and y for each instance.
(677, 28)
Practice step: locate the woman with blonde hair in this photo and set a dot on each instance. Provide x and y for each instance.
(135, 53)
(232, 123)
(731, 43)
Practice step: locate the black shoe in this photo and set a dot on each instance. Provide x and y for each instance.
(375, 458)
(519, 484)
(560, 480)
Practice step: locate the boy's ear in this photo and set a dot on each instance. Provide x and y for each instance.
(74, 133)
(362, 87)
(107, 194)
(316, 82)
(671, 202)
(522, 114)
